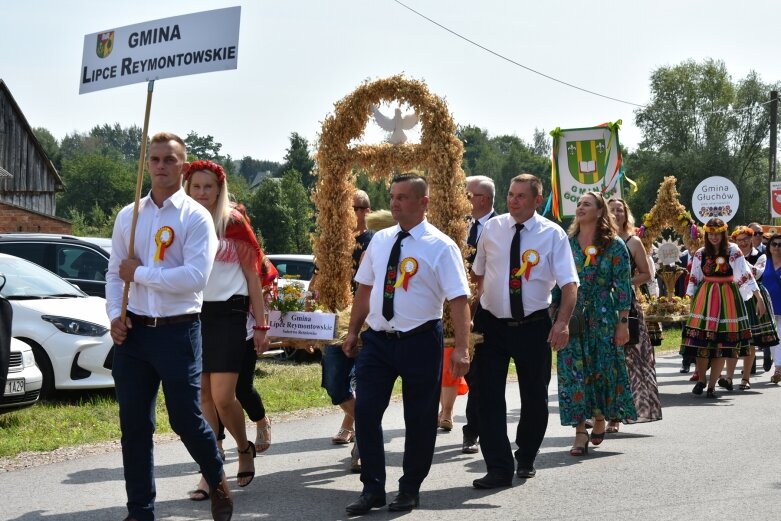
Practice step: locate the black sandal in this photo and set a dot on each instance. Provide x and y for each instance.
(579, 451)
(247, 473)
(744, 384)
(598, 437)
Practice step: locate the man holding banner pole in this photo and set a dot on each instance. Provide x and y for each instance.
(160, 339)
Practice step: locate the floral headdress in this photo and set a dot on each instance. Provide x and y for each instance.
(742, 230)
(715, 229)
(197, 166)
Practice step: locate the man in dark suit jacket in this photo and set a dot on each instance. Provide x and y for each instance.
(481, 191)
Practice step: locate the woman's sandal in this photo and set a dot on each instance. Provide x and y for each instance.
(343, 437)
(612, 427)
(744, 384)
(247, 473)
(263, 436)
(198, 494)
(597, 437)
(579, 451)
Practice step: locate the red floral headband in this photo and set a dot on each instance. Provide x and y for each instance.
(197, 166)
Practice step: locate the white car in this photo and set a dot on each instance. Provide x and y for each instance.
(68, 330)
(23, 386)
(293, 267)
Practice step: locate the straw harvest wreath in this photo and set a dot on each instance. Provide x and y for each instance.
(439, 155)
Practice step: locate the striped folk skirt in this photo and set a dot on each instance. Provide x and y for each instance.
(718, 324)
(763, 329)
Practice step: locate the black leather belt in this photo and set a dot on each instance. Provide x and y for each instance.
(538, 315)
(162, 321)
(431, 324)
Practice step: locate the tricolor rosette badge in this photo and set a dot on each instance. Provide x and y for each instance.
(591, 255)
(407, 268)
(721, 265)
(163, 239)
(529, 259)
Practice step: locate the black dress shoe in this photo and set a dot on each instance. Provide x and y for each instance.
(525, 472)
(469, 445)
(488, 481)
(404, 502)
(365, 503)
(222, 504)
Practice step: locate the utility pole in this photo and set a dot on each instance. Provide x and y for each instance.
(773, 142)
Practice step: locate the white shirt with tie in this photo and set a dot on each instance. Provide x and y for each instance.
(556, 264)
(481, 223)
(440, 275)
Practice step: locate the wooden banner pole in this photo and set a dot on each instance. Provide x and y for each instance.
(139, 183)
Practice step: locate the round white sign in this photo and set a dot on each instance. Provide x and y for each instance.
(715, 197)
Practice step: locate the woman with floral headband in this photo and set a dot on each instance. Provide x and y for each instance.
(232, 292)
(763, 329)
(718, 326)
(640, 360)
(593, 380)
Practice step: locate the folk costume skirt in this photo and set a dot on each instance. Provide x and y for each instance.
(718, 324)
(763, 329)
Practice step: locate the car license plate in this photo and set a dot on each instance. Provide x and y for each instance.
(13, 387)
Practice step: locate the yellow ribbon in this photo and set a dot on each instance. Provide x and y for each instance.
(163, 238)
(591, 255)
(530, 259)
(407, 268)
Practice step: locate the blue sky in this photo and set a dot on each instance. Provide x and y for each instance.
(298, 57)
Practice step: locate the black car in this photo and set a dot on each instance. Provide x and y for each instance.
(79, 262)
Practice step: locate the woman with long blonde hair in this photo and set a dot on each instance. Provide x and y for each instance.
(640, 361)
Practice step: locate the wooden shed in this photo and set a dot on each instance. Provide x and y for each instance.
(28, 180)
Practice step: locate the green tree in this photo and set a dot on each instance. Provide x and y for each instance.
(299, 159)
(126, 141)
(96, 180)
(692, 130)
(50, 145)
(300, 208)
(271, 216)
(203, 147)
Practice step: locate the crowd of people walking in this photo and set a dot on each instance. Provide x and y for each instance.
(195, 320)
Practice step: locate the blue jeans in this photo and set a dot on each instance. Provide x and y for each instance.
(151, 355)
(337, 374)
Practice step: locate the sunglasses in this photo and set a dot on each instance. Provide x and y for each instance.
(775, 244)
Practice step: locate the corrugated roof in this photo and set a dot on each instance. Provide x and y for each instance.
(5, 173)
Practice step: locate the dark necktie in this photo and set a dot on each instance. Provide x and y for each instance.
(390, 276)
(516, 290)
(472, 239)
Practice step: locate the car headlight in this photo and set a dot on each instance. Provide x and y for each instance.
(73, 326)
(28, 358)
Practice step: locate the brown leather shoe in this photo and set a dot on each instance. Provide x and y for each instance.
(222, 504)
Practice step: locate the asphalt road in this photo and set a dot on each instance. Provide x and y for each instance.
(705, 460)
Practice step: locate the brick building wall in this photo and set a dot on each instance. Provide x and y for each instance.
(16, 219)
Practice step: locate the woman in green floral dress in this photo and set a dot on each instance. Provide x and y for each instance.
(592, 375)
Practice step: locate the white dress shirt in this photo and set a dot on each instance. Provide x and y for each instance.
(440, 276)
(556, 264)
(174, 285)
(481, 222)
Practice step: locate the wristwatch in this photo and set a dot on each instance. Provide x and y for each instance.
(623, 320)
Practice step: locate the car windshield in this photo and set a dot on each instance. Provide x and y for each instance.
(25, 280)
(293, 269)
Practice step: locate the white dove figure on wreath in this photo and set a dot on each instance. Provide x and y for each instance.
(397, 125)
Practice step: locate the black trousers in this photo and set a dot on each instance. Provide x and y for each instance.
(471, 428)
(417, 359)
(526, 343)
